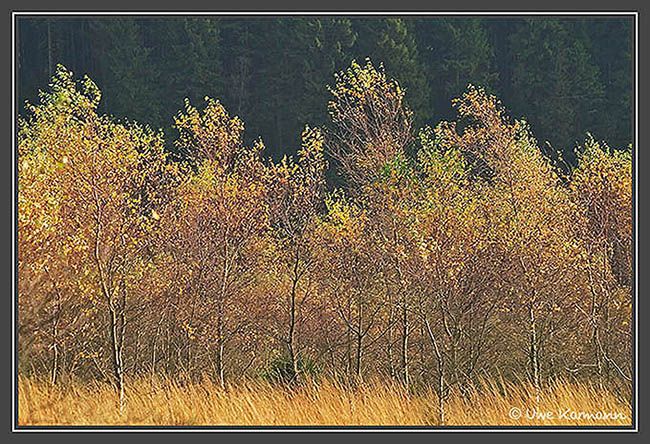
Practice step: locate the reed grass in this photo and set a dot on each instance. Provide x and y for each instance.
(165, 402)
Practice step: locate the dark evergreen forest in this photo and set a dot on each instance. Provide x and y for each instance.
(565, 76)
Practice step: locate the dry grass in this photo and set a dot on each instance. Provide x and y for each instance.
(166, 402)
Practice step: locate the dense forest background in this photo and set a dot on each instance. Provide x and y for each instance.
(566, 77)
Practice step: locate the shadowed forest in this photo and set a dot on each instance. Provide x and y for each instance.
(566, 75)
(384, 269)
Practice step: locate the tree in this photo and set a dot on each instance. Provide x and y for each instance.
(582, 67)
(564, 99)
(295, 196)
(130, 77)
(529, 212)
(452, 263)
(459, 253)
(220, 227)
(392, 41)
(112, 181)
(188, 51)
(352, 279)
(601, 186)
(293, 58)
(371, 129)
(610, 45)
(238, 40)
(371, 125)
(454, 53)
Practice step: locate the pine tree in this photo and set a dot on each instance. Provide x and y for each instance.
(555, 83)
(283, 65)
(187, 53)
(130, 78)
(574, 71)
(237, 53)
(391, 41)
(610, 44)
(328, 42)
(455, 52)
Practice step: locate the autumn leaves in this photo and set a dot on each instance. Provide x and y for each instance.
(441, 256)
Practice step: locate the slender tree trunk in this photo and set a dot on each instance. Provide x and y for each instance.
(359, 342)
(606, 319)
(118, 370)
(534, 351)
(389, 347)
(136, 353)
(153, 356)
(50, 49)
(220, 348)
(221, 316)
(55, 330)
(116, 310)
(117, 324)
(55, 350)
(348, 342)
(155, 344)
(291, 337)
(594, 324)
(405, 341)
(291, 340)
(441, 391)
(440, 384)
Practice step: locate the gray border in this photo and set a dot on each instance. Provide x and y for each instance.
(117, 6)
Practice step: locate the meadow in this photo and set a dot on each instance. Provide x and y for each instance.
(167, 402)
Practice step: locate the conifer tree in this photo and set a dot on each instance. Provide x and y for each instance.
(562, 95)
(130, 77)
(455, 52)
(391, 41)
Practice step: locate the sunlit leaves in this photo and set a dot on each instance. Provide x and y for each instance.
(464, 232)
(371, 123)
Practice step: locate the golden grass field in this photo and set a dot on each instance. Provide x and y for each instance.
(164, 402)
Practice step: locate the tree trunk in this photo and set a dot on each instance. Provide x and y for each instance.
(405, 341)
(220, 349)
(359, 342)
(440, 385)
(291, 337)
(55, 352)
(116, 348)
(534, 351)
(594, 325)
(348, 341)
(389, 347)
(136, 353)
(606, 320)
(221, 317)
(55, 330)
(50, 67)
